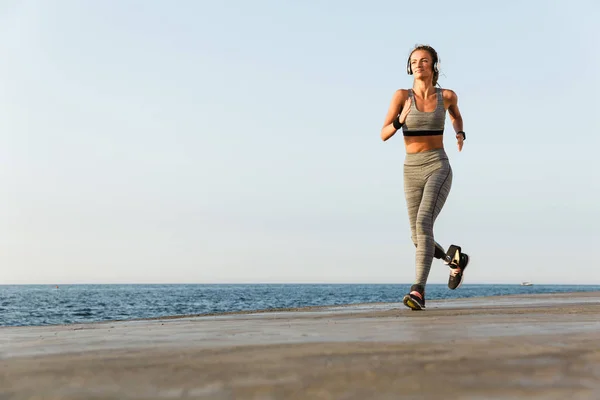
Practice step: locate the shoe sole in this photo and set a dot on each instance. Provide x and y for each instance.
(410, 303)
(462, 278)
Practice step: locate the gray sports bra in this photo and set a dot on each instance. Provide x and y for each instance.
(420, 123)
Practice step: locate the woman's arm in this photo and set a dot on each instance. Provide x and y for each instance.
(395, 108)
(455, 116)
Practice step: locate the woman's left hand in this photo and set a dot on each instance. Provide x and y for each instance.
(460, 141)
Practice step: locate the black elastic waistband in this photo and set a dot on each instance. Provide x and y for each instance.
(423, 133)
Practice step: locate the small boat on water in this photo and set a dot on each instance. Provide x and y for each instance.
(526, 284)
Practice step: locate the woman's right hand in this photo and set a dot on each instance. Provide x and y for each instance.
(405, 111)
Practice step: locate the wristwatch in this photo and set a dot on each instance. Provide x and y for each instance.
(463, 133)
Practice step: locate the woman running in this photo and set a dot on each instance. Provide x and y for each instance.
(421, 112)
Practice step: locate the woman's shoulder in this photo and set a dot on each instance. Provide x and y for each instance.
(401, 94)
(448, 94)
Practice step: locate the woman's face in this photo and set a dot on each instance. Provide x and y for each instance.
(421, 64)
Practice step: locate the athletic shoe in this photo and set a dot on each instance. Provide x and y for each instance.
(415, 300)
(457, 272)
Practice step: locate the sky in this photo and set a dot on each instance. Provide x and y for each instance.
(146, 141)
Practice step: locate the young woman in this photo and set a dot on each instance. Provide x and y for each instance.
(421, 112)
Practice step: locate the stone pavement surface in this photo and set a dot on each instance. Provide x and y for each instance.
(508, 347)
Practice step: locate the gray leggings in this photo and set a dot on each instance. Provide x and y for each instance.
(427, 183)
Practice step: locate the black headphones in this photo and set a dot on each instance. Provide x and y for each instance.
(435, 64)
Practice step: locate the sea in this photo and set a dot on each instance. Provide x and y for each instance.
(36, 305)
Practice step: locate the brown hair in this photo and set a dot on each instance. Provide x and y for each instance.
(434, 59)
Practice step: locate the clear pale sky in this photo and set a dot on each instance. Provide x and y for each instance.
(238, 141)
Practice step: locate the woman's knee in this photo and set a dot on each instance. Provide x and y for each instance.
(424, 228)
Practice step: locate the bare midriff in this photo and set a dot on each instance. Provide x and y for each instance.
(417, 144)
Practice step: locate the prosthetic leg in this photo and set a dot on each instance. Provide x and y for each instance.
(457, 261)
(452, 256)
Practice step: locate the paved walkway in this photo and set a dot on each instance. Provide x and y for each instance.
(512, 347)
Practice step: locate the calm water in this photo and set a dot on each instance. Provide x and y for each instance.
(43, 305)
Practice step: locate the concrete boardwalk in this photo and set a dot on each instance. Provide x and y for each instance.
(513, 347)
